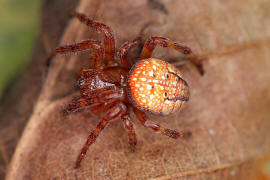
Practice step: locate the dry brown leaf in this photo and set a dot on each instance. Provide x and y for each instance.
(228, 112)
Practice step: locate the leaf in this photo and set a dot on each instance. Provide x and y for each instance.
(228, 112)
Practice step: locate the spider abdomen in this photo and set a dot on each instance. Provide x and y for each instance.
(157, 86)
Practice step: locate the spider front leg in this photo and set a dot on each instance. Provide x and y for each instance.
(151, 43)
(97, 54)
(79, 104)
(158, 128)
(110, 115)
(130, 130)
(100, 100)
(109, 42)
(123, 51)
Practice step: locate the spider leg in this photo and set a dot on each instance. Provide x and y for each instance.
(79, 104)
(100, 108)
(158, 128)
(103, 107)
(123, 51)
(109, 42)
(96, 57)
(130, 130)
(105, 99)
(110, 115)
(151, 43)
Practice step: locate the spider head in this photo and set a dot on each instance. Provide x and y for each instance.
(157, 87)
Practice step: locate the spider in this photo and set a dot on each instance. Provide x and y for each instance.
(113, 88)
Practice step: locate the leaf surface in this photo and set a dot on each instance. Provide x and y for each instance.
(228, 111)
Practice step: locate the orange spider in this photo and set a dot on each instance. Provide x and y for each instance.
(151, 85)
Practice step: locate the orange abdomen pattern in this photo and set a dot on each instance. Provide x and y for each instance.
(157, 87)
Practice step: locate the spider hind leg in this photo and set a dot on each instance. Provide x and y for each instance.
(158, 128)
(111, 114)
(151, 43)
(130, 130)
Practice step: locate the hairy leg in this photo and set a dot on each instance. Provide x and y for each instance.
(130, 130)
(79, 104)
(110, 115)
(96, 57)
(109, 42)
(123, 51)
(151, 43)
(103, 107)
(158, 128)
(105, 99)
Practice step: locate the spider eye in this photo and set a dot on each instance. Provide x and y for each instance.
(167, 76)
(165, 94)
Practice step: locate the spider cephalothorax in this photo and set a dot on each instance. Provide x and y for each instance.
(108, 87)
